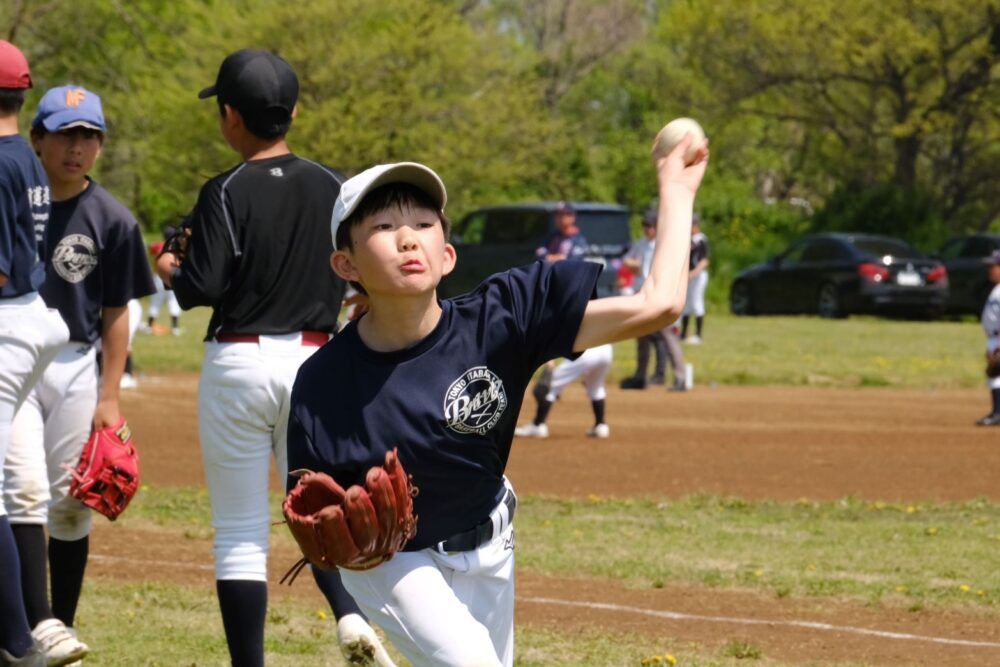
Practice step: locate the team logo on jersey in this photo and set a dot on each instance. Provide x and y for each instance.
(75, 257)
(475, 402)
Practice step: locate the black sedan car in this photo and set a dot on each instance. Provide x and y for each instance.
(836, 275)
(968, 279)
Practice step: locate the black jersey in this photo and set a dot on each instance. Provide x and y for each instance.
(24, 213)
(449, 403)
(699, 249)
(259, 251)
(96, 258)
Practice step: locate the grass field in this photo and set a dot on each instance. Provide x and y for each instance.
(943, 556)
(856, 352)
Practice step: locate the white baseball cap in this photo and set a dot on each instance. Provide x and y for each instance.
(354, 189)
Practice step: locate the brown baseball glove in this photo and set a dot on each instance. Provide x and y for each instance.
(993, 363)
(107, 476)
(355, 529)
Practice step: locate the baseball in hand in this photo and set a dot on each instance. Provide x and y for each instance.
(671, 135)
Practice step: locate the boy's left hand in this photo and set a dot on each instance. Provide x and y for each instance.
(671, 171)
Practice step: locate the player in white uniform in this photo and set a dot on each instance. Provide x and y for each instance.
(96, 266)
(990, 320)
(697, 284)
(592, 368)
(442, 381)
(30, 333)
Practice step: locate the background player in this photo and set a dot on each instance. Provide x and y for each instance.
(30, 333)
(162, 293)
(443, 381)
(990, 320)
(664, 343)
(565, 241)
(258, 255)
(697, 284)
(592, 368)
(96, 263)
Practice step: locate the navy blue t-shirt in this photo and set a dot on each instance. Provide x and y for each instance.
(96, 258)
(24, 212)
(449, 403)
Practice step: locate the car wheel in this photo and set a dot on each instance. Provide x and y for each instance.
(741, 300)
(829, 305)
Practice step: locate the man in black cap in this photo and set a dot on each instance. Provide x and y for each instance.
(259, 256)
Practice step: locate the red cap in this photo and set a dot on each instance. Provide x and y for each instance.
(14, 72)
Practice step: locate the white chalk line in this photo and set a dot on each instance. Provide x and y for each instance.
(677, 616)
(672, 615)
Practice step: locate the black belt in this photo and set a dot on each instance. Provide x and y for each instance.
(476, 537)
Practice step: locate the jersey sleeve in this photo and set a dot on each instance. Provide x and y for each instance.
(547, 301)
(211, 251)
(126, 274)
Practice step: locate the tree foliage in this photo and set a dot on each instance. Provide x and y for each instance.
(853, 108)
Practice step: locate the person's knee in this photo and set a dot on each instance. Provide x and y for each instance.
(26, 501)
(70, 520)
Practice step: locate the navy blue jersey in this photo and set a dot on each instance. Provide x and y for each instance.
(449, 403)
(573, 246)
(24, 212)
(97, 259)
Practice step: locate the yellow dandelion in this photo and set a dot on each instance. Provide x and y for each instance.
(965, 588)
(901, 589)
(671, 659)
(320, 614)
(932, 531)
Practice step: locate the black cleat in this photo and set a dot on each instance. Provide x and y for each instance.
(992, 419)
(633, 383)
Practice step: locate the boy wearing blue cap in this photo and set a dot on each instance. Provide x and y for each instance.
(95, 263)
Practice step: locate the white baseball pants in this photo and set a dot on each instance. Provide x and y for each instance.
(159, 296)
(592, 366)
(30, 336)
(695, 304)
(444, 609)
(243, 405)
(49, 432)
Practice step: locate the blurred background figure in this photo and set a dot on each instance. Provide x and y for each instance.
(162, 294)
(697, 283)
(991, 325)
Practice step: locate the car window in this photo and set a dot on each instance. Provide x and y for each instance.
(952, 249)
(604, 227)
(822, 250)
(471, 229)
(883, 247)
(977, 246)
(794, 255)
(516, 226)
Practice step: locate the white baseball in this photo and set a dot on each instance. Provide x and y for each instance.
(671, 135)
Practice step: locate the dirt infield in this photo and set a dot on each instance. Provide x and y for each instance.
(780, 443)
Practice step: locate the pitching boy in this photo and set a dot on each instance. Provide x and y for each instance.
(258, 255)
(96, 263)
(443, 380)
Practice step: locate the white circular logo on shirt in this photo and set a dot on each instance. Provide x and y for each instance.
(475, 401)
(75, 257)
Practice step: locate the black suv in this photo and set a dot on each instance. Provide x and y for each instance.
(496, 238)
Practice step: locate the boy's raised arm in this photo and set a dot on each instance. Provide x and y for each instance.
(660, 301)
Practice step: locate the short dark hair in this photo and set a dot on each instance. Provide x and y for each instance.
(390, 195)
(11, 100)
(269, 124)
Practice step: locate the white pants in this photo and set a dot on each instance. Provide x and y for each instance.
(243, 405)
(592, 366)
(444, 609)
(991, 344)
(49, 432)
(30, 336)
(159, 296)
(695, 304)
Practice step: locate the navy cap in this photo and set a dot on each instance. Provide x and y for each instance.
(70, 106)
(649, 217)
(992, 259)
(565, 207)
(255, 82)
